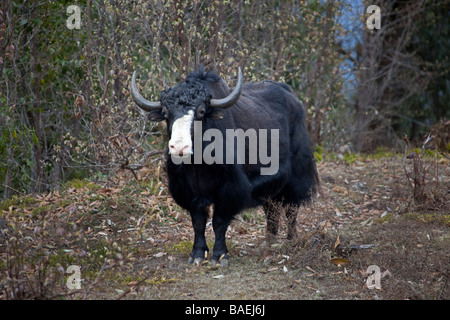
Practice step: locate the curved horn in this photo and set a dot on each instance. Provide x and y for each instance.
(144, 104)
(232, 97)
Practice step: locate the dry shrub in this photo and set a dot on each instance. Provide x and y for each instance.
(26, 271)
(423, 175)
(441, 133)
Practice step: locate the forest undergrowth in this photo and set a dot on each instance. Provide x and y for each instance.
(131, 241)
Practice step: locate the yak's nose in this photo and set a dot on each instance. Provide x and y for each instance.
(180, 149)
(180, 143)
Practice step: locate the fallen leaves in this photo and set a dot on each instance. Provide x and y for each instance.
(159, 254)
(340, 261)
(340, 189)
(82, 223)
(337, 242)
(272, 269)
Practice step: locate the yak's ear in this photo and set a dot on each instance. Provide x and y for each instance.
(156, 115)
(215, 114)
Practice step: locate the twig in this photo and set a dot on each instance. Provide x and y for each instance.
(138, 166)
(129, 289)
(104, 267)
(436, 171)
(406, 171)
(442, 153)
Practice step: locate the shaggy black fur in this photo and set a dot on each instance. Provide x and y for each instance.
(234, 187)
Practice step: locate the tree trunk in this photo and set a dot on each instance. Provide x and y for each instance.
(33, 110)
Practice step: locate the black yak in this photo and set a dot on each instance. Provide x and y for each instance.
(220, 142)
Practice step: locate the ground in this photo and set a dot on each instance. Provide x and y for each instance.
(131, 241)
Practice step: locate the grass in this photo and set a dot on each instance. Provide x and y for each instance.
(350, 157)
(180, 248)
(80, 184)
(440, 218)
(17, 202)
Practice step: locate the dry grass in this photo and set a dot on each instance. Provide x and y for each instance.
(132, 242)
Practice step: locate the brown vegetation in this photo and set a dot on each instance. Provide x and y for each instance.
(132, 242)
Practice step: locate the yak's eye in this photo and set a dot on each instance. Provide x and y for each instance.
(200, 112)
(165, 113)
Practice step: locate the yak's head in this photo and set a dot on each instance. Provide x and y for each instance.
(188, 101)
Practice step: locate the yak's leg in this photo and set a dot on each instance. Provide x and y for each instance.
(272, 212)
(291, 215)
(200, 249)
(220, 223)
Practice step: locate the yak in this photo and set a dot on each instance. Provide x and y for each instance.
(204, 114)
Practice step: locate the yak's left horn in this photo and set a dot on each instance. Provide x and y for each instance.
(144, 104)
(232, 97)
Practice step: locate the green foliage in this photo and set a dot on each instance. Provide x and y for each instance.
(443, 219)
(318, 153)
(79, 184)
(16, 143)
(182, 247)
(350, 157)
(381, 152)
(17, 202)
(431, 43)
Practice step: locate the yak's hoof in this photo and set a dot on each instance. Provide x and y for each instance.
(223, 261)
(198, 261)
